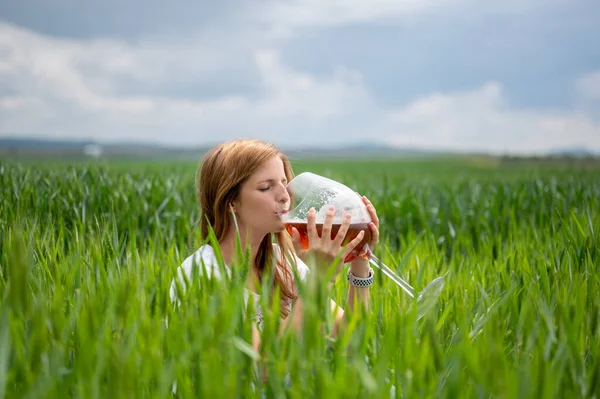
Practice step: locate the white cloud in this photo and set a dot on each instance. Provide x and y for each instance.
(70, 88)
(482, 120)
(56, 76)
(284, 17)
(291, 93)
(289, 14)
(83, 70)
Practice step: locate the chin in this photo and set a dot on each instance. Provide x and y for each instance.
(279, 228)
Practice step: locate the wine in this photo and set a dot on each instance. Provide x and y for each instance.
(352, 232)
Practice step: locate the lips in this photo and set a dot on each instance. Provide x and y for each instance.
(281, 213)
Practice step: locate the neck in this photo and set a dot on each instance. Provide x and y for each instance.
(228, 244)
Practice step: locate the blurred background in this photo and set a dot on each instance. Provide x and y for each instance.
(316, 76)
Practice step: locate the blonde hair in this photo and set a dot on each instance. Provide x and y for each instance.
(223, 171)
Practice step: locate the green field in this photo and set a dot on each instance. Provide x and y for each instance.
(87, 253)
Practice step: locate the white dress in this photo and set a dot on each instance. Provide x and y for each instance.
(205, 254)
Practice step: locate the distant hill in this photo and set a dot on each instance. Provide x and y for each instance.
(38, 147)
(366, 149)
(577, 151)
(89, 148)
(32, 146)
(41, 143)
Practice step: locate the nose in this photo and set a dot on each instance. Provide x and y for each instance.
(284, 196)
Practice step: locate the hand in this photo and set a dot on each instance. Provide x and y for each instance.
(324, 250)
(374, 225)
(360, 264)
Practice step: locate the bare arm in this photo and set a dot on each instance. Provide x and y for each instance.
(358, 295)
(360, 266)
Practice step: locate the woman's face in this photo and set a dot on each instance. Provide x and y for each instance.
(262, 198)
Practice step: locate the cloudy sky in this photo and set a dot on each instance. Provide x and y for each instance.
(516, 76)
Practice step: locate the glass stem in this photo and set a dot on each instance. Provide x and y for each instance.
(390, 273)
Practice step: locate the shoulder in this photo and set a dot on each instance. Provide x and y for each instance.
(204, 261)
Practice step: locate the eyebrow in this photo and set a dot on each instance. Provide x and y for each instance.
(270, 181)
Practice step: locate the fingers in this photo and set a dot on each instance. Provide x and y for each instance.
(374, 234)
(312, 228)
(371, 210)
(351, 246)
(339, 238)
(374, 225)
(296, 240)
(326, 234)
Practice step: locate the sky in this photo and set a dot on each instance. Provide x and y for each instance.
(516, 76)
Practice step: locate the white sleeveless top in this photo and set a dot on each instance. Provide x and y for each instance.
(205, 254)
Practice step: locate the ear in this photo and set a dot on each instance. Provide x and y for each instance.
(234, 205)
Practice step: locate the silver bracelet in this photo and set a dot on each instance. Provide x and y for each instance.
(361, 281)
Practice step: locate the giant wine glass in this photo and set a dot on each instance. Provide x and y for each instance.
(309, 190)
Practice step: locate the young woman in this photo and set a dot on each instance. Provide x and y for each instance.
(243, 183)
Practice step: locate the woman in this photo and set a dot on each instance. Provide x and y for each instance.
(241, 187)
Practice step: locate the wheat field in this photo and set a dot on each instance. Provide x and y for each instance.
(88, 251)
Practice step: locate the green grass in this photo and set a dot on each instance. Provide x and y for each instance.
(87, 253)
